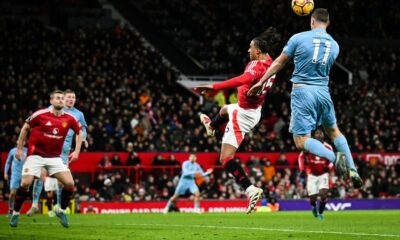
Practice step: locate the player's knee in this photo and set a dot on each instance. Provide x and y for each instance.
(69, 184)
(223, 112)
(333, 132)
(299, 142)
(323, 194)
(299, 146)
(26, 183)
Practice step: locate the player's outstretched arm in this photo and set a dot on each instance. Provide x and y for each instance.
(21, 141)
(202, 89)
(78, 144)
(276, 66)
(230, 83)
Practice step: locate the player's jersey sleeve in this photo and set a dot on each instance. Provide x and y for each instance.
(75, 125)
(234, 82)
(290, 46)
(301, 161)
(9, 159)
(34, 119)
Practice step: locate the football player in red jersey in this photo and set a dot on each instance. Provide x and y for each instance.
(48, 129)
(317, 170)
(243, 116)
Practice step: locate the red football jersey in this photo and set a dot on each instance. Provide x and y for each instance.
(48, 132)
(252, 74)
(314, 164)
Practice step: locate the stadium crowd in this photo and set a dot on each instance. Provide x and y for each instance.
(127, 91)
(225, 27)
(280, 181)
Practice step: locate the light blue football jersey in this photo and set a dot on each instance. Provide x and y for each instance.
(81, 119)
(313, 53)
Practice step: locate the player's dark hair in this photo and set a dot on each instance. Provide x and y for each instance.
(55, 92)
(69, 91)
(268, 41)
(321, 15)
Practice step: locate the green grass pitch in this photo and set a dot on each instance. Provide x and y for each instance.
(343, 225)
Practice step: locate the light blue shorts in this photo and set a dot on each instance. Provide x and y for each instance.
(185, 185)
(15, 181)
(311, 106)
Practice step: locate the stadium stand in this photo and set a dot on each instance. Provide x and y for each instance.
(128, 92)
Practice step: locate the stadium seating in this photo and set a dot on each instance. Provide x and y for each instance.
(128, 93)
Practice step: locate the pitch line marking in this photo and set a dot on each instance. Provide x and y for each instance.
(242, 228)
(264, 229)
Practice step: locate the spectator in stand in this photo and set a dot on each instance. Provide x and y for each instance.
(158, 160)
(172, 161)
(282, 162)
(116, 160)
(105, 161)
(269, 171)
(394, 188)
(133, 159)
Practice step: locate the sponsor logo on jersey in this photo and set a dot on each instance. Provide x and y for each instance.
(55, 131)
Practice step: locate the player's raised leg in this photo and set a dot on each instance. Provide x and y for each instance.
(22, 193)
(232, 166)
(36, 192)
(311, 145)
(66, 179)
(340, 142)
(211, 125)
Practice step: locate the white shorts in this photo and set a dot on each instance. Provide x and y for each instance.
(50, 184)
(241, 121)
(316, 183)
(33, 165)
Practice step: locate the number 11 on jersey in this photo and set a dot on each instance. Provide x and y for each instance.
(317, 44)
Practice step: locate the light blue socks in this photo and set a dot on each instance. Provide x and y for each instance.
(342, 146)
(317, 148)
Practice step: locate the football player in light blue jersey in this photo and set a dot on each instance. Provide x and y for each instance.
(69, 103)
(314, 53)
(16, 174)
(187, 183)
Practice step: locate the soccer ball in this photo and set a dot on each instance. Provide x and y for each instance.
(302, 7)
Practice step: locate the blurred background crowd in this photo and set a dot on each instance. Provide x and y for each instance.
(127, 88)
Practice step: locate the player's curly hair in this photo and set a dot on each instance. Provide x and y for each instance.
(268, 41)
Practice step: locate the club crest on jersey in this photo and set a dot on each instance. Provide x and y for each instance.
(64, 124)
(55, 131)
(26, 170)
